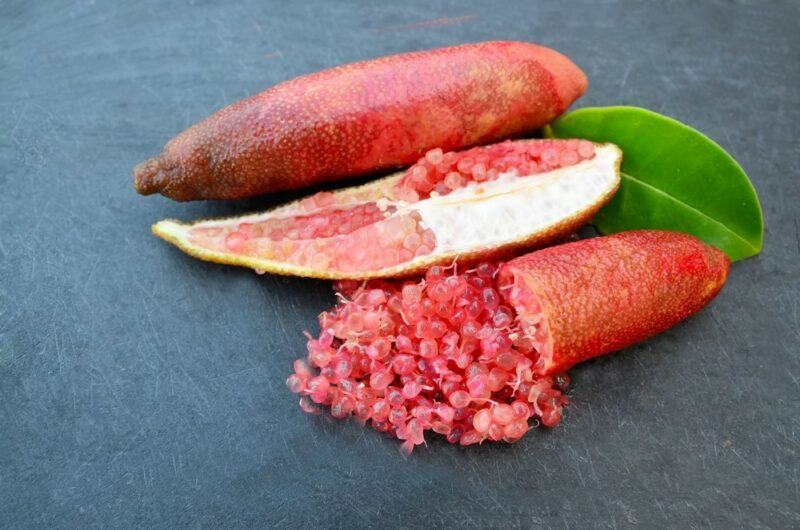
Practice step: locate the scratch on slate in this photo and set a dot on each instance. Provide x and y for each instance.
(289, 448)
(274, 309)
(794, 379)
(23, 112)
(748, 464)
(721, 346)
(191, 379)
(91, 274)
(237, 372)
(591, 461)
(446, 21)
(148, 313)
(41, 218)
(57, 344)
(577, 467)
(661, 509)
(625, 76)
(727, 136)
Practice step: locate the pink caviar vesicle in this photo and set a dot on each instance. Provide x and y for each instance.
(322, 234)
(443, 354)
(444, 172)
(347, 239)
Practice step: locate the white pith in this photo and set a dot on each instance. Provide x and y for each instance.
(509, 208)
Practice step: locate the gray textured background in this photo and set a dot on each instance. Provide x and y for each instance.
(139, 387)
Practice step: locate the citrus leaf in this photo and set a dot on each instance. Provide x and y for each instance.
(674, 178)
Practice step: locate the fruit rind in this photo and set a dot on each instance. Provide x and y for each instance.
(601, 295)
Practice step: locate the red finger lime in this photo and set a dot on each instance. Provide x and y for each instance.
(476, 354)
(595, 296)
(466, 205)
(364, 117)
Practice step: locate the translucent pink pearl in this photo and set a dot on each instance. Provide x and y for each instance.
(235, 242)
(295, 383)
(380, 380)
(380, 410)
(477, 386)
(434, 156)
(459, 399)
(403, 364)
(585, 149)
(411, 389)
(428, 348)
(503, 414)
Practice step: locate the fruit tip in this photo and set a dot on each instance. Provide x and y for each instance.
(570, 81)
(148, 177)
(168, 230)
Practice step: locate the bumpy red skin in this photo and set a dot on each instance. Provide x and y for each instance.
(364, 117)
(604, 294)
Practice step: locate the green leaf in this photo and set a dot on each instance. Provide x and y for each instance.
(673, 178)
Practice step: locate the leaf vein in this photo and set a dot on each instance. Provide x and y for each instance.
(692, 208)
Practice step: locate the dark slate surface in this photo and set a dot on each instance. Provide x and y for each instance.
(139, 387)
